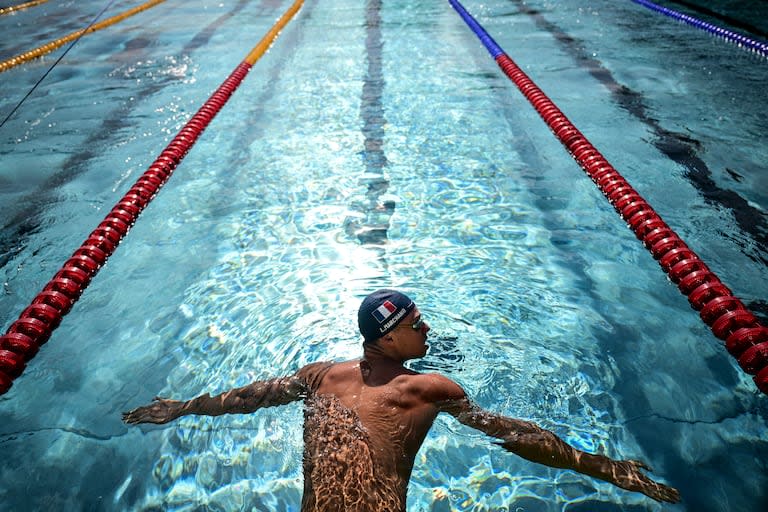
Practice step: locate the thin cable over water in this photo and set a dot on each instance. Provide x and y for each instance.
(56, 62)
(57, 43)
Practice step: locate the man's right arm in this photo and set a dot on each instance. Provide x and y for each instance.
(536, 444)
(246, 399)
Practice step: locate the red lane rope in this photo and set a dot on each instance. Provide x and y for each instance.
(36, 323)
(745, 338)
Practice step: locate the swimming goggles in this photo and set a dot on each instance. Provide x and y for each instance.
(416, 326)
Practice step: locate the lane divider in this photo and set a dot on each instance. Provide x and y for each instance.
(57, 43)
(20, 7)
(745, 338)
(740, 40)
(50, 68)
(36, 323)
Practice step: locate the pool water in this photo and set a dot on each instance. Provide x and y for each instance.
(377, 144)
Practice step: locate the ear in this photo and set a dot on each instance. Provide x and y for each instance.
(388, 337)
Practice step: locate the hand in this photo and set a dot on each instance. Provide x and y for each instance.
(627, 475)
(161, 410)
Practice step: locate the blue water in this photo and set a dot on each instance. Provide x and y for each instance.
(377, 144)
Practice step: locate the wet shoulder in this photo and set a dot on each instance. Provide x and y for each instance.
(430, 387)
(316, 374)
(313, 374)
(342, 372)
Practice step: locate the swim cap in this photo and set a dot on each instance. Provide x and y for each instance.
(380, 313)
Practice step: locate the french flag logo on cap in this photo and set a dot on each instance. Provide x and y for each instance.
(384, 311)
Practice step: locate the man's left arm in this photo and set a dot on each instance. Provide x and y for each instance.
(537, 444)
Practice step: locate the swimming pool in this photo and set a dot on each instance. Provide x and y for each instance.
(377, 144)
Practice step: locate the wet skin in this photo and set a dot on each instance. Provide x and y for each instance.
(365, 420)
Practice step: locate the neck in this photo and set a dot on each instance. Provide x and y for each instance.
(374, 353)
(378, 367)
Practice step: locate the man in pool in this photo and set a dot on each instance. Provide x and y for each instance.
(365, 420)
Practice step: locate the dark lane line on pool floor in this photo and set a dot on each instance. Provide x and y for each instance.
(373, 228)
(638, 412)
(677, 147)
(290, 44)
(27, 220)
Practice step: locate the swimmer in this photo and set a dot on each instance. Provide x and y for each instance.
(365, 420)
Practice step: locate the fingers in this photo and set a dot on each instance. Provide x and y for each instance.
(130, 418)
(146, 414)
(671, 494)
(161, 410)
(660, 492)
(135, 416)
(640, 465)
(638, 481)
(668, 494)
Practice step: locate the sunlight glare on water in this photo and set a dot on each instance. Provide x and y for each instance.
(378, 145)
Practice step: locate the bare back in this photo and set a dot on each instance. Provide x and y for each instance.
(363, 427)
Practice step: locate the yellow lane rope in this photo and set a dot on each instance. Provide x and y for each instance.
(25, 5)
(269, 38)
(49, 47)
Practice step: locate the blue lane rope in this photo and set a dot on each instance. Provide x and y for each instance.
(743, 41)
(493, 48)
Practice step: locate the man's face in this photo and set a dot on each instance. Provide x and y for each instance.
(410, 335)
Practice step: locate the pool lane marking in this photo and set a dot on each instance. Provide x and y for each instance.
(679, 148)
(372, 227)
(36, 323)
(20, 7)
(57, 43)
(745, 42)
(745, 338)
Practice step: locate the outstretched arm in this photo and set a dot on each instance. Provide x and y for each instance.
(536, 444)
(266, 393)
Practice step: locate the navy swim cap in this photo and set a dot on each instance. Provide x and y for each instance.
(380, 313)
